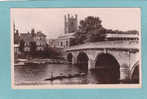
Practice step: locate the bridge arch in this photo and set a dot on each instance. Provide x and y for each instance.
(69, 57)
(107, 66)
(82, 61)
(134, 73)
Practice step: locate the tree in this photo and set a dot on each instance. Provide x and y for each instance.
(33, 47)
(90, 30)
(133, 32)
(16, 37)
(90, 23)
(79, 38)
(97, 35)
(48, 52)
(21, 45)
(54, 52)
(33, 32)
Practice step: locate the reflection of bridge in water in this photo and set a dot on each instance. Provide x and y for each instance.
(118, 59)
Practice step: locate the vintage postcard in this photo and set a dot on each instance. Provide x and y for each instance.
(75, 48)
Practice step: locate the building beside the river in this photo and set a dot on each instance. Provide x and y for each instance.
(70, 27)
(35, 39)
(39, 39)
(122, 36)
(63, 41)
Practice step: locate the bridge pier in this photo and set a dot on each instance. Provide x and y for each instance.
(124, 73)
(91, 64)
(74, 60)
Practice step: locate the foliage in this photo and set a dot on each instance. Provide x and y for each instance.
(79, 38)
(33, 32)
(33, 47)
(16, 37)
(122, 32)
(133, 31)
(90, 30)
(89, 24)
(96, 35)
(21, 46)
(48, 52)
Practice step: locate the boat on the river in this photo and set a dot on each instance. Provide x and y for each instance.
(66, 76)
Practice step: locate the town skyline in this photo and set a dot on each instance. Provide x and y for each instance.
(51, 20)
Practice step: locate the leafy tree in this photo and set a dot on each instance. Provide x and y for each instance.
(48, 52)
(89, 24)
(133, 31)
(96, 35)
(54, 52)
(90, 30)
(21, 45)
(16, 37)
(33, 32)
(33, 47)
(80, 38)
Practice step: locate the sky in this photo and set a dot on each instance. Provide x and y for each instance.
(51, 20)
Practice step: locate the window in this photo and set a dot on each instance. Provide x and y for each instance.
(66, 43)
(61, 43)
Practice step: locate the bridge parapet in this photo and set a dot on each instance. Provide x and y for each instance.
(114, 45)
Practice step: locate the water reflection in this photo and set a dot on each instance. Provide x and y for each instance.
(30, 74)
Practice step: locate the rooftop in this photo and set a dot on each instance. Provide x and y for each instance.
(27, 37)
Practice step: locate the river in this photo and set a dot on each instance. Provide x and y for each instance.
(37, 74)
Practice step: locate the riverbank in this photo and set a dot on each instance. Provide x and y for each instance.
(39, 61)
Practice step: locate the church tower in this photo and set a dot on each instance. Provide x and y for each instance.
(70, 23)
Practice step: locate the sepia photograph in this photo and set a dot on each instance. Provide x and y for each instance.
(75, 47)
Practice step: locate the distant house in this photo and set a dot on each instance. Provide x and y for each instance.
(63, 41)
(38, 38)
(27, 38)
(16, 37)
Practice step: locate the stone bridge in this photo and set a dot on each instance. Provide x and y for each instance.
(120, 57)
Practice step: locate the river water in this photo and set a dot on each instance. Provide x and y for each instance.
(37, 74)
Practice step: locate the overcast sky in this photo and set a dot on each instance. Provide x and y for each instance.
(51, 20)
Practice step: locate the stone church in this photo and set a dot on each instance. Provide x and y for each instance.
(70, 27)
